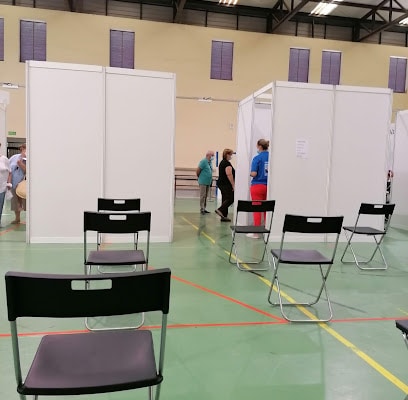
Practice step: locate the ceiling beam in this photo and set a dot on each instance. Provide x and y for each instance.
(384, 27)
(71, 5)
(179, 10)
(289, 15)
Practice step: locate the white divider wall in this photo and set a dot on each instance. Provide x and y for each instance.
(65, 128)
(254, 123)
(111, 133)
(399, 191)
(328, 150)
(140, 128)
(4, 102)
(299, 160)
(359, 154)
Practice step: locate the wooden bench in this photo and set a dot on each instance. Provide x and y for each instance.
(186, 179)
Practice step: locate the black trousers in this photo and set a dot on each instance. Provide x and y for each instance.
(227, 198)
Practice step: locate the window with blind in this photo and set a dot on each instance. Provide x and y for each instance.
(122, 49)
(331, 65)
(221, 60)
(299, 65)
(397, 75)
(1, 39)
(33, 41)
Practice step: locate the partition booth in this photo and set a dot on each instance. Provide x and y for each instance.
(4, 102)
(399, 189)
(328, 148)
(97, 132)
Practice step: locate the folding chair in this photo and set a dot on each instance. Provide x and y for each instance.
(402, 325)
(249, 206)
(119, 205)
(385, 210)
(305, 257)
(88, 363)
(115, 223)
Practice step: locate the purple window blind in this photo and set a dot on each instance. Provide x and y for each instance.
(221, 60)
(122, 49)
(397, 74)
(1, 39)
(299, 65)
(331, 65)
(33, 41)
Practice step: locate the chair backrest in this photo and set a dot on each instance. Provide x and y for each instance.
(311, 224)
(376, 209)
(256, 206)
(105, 222)
(118, 204)
(65, 296)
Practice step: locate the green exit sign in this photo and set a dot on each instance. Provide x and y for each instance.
(12, 133)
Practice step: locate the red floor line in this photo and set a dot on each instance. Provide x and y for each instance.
(257, 310)
(11, 229)
(206, 325)
(170, 326)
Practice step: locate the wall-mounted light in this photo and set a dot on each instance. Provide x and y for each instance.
(205, 99)
(324, 8)
(228, 2)
(404, 21)
(9, 85)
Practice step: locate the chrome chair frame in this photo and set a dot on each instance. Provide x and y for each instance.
(349, 231)
(251, 206)
(115, 223)
(308, 225)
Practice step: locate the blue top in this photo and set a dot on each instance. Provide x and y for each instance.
(260, 165)
(205, 177)
(17, 174)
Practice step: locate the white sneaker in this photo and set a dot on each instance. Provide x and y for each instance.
(253, 235)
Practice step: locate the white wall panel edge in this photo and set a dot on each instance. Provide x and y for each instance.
(244, 101)
(300, 85)
(363, 89)
(263, 89)
(66, 66)
(140, 72)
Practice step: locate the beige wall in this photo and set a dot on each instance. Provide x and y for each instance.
(258, 59)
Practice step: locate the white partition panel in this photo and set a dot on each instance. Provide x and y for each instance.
(140, 143)
(4, 102)
(299, 159)
(243, 149)
(97, 132)
(399, 193)
(254, 123)
(359, 152)
(65, 126)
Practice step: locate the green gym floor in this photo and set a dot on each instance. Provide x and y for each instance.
(225, 341)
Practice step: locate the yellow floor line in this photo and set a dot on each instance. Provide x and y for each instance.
(370, 361)
(197, 229)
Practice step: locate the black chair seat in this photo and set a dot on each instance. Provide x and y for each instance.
(402, 325)
(92, 363)
(363, 230)
(249, 229)
(116, 257)
(301, 257)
